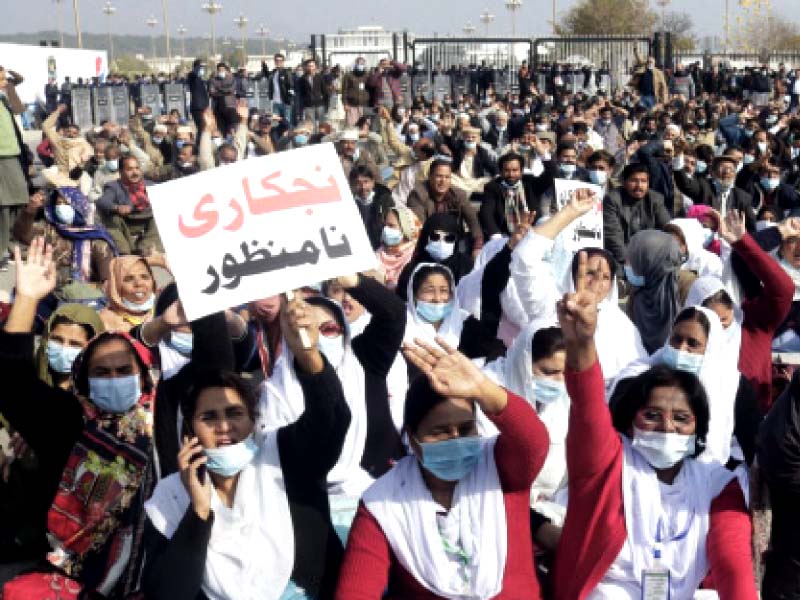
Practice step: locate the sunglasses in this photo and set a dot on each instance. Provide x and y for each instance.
(330, 329)
(447, 237)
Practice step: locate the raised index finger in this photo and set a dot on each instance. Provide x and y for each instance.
(582, 278)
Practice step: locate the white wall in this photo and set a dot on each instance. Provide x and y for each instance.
(32, 63)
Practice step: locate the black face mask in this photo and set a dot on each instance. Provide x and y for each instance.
(75, 173)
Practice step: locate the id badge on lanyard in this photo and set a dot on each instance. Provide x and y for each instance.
(655, 583)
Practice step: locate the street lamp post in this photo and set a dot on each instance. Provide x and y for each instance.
(182, 33)
(109, 10)
(663, 4)
(487, 18)
(151, 23)
(263, 32)
(212, 7)
(513, 6)
(60, 22)
(469, 29)
(77, 13)
(165, 16)
(241, 22)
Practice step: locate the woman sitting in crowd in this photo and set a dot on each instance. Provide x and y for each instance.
(451, 519)
(247, 516)
(541, 269)
(440, 241)
(362, 364)
(399, 239)
(659, 286)
(82, 251)
(643, 513)
(130, 292)
(101, 433)
(752, 325)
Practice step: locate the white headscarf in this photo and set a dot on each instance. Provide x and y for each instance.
(417, 327)
(515, 373)
(616, 338)
(282, 402)
(403, 506)
(701, 261)
(719, 377)
(702, 289)
(251, 550)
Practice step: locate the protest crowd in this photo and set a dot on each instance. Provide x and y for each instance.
(566, 372)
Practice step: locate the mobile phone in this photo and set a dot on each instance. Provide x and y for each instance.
(186, 431)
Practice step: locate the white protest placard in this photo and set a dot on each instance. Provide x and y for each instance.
(587, 231)
(260, 227)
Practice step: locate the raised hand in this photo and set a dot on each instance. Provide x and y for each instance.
(36, 276)
(522, 229)
(174, 316)
(582, 201)
(732, 227)
(789, 227)
(190, 460)
(450, 373)
(577, 312)
(295, 316)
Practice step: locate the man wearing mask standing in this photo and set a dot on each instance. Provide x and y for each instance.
(384, 84)
(222, 90)
(13, 163)
(198, 92)
(355, 93)
(650, 83)
(281, 90)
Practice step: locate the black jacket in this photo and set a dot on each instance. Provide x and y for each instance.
(198, 91)
(778, 452)
(701, 190)
(483, 164)
(284, 83)
(312, 93)
(493, 208)
(624, 216)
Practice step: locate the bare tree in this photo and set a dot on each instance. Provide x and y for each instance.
(611, 17)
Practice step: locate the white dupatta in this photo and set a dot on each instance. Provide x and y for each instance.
(250, 553)
(407, 513)
(450, 327)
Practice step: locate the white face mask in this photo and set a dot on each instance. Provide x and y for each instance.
(663, 450)
(64, 213)
(332, 348)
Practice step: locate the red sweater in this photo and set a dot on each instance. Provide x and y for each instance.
(594, 529)
(370, 567)
(762, 316)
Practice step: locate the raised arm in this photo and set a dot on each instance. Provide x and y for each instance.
(311, 445)
(378, 345)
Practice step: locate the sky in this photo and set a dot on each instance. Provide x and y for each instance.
(297, 19)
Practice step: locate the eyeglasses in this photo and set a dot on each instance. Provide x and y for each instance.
(330, 329)
(447, 237)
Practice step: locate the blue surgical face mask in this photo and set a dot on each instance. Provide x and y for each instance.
(451, 460)
(598, 177)
(634, 279)
(748, 159)
(708, 237)
(115, 394)
(683, 361)
(548, 391)
(470, 145)
(300, 139)
(440, 250)
(227, 461)
(156, 141)
(64, 213)
(391, 236)
(143, 307)
(769, 184)
(201, 72)
(332, 348)
(179, 144)
(434, 312)
(414, 137)
(181, 341)
(113, 165)
(568, 169)
(60, 357)
(701, 167)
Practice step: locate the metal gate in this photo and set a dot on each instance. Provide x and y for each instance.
(604, 55)
(471, 63)
(740, 59)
